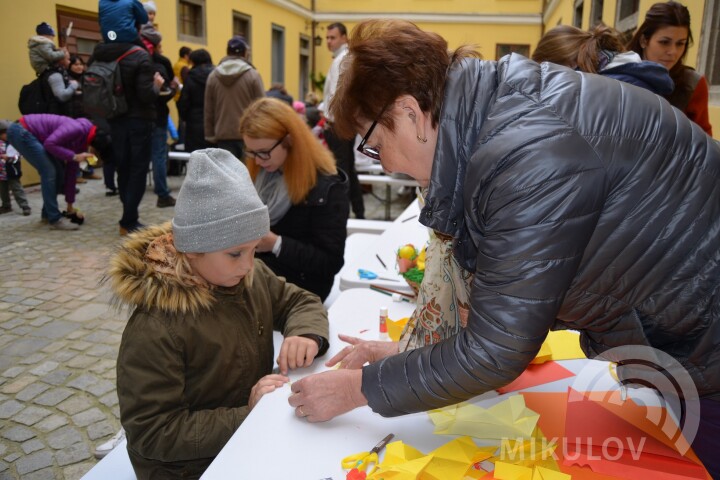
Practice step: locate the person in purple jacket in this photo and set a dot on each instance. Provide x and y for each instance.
(45, 140)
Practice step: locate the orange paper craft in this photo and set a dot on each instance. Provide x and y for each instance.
(612, 437)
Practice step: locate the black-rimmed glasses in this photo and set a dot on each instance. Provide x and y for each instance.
(372, 152)
(263, 154)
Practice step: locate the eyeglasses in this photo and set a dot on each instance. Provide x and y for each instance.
(372, 152)
(263, 154)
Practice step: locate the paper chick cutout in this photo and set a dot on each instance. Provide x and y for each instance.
(560, 345)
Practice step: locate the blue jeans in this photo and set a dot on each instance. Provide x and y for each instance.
(159, 161)
(34, 152)
(131, 141)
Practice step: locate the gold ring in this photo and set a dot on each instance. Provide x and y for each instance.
(302, 414)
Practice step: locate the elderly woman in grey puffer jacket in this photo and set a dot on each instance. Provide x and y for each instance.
(580, 202)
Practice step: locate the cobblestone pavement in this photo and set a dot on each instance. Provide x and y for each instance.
(59, 337)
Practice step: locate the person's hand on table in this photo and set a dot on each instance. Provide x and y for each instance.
(324, 396)
(296, 352)
(266, 384)
(361, 351)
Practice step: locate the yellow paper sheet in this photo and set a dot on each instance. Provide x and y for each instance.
(560, 345)
(508, 419)
(395, 328)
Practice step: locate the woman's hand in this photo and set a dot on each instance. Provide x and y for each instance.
(266, 243)
(296, 352)
(361, 351)
(79, 157)
(326, 395)
(266, 384)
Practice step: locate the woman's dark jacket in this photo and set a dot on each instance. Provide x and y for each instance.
(580, 203)
(191, 107)
(313, 237)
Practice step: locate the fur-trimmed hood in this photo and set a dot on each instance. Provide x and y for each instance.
(143, 273)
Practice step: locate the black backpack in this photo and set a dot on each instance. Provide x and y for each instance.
(103, 92)
(34, 96)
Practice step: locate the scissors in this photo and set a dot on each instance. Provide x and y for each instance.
(362, 461)
(368, 275)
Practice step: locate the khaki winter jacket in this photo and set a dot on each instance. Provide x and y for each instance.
(231, 87)
(190, 354)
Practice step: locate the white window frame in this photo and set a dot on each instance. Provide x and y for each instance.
(630, 22)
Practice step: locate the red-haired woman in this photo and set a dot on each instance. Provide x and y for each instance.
(306, 195)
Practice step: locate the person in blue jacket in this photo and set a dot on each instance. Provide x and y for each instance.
(120, 20)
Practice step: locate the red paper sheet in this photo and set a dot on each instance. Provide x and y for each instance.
(537, 374)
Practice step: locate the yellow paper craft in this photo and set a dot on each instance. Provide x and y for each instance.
(508, 471)
(508, 419)
(395, 328)
(411, 470)
(454, 460)
(560, 345)
(399, 452)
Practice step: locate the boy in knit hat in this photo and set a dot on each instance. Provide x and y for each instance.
(42, 50)
(197, 353)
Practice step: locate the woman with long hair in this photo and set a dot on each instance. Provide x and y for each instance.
(663, 38)
(305, 193)
(601, 51)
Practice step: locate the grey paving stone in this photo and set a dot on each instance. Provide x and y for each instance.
(18, 434)
(53, 397)
(83, 381)
(31, 391)
(77, 470)
(82, 361)
(73, 454)
(25, 346)
(13, 372)
(32, 359)
(33, 462)
(57, 377)
(31, 415)
(102, 351)
(100, 429)
(89, 312)
(3, 467)
(32, 446)
(101, 388)
(64, 355)
(31, 302)
(41, 320)
(12, 457)
(44, 474)
(83, 419)
(110, 399)
(10, 408)
(56, 329)
(44, 368)
(64, 437)
(18, 384)
(75, 404)
(3, 448)
(51, 423)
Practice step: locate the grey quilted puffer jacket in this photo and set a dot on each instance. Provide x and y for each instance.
(580, 202)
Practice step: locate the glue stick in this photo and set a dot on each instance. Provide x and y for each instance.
(383, 322)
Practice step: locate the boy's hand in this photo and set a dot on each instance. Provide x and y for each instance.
(296, 352)
(266, 384)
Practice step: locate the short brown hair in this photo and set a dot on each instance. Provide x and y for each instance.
(387, 59)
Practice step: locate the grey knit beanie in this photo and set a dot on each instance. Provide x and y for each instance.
(217, 207)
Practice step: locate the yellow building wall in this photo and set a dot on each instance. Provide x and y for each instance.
(433, 6)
